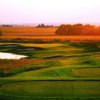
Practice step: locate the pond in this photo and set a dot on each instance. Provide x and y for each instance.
(11, 56)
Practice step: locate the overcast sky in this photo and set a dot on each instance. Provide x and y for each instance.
(49, 11)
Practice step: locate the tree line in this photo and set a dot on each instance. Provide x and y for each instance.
(44, 26)
(78, 29)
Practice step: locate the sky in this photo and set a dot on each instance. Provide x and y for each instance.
(49, 11)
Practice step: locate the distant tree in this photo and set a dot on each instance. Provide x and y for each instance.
(98, 30)
(89, 30)
(6, 25)
(43, 25)
(61, 30)
(1, 33)
(78, 29)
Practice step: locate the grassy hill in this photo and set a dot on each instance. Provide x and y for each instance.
(68, 70)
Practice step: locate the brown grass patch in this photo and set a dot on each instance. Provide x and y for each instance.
(88, 72)
(7, 64)
(27, 31)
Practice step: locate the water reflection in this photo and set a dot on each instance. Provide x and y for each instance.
(11, 56)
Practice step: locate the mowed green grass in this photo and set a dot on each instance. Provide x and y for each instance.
(69, 70)
(52, 90)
